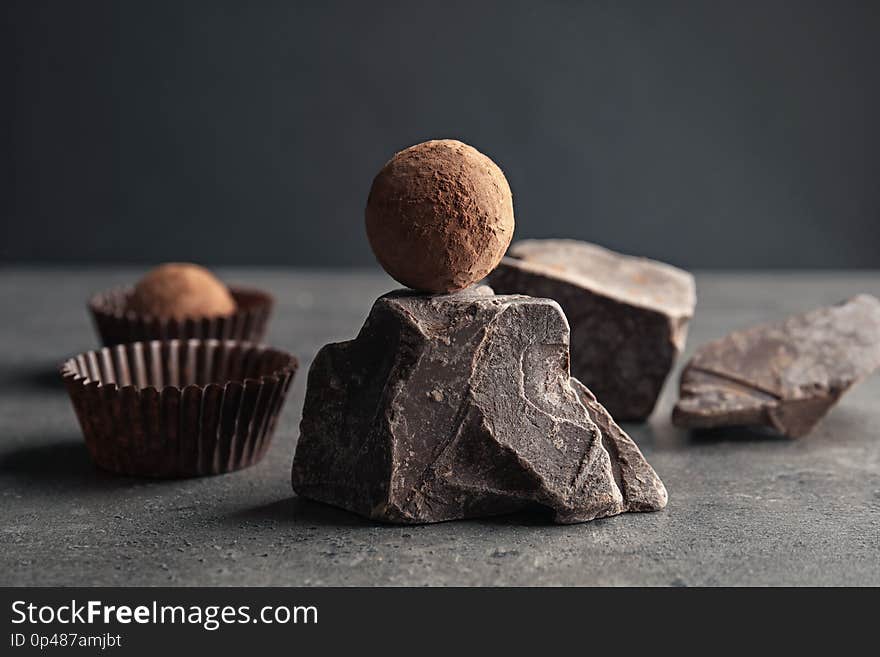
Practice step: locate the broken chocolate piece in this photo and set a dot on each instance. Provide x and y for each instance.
(461, 406)
(628, 315)
(783, 376)
(641, 487)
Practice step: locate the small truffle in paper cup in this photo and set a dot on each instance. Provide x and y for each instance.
(116, 322)
(178, 408)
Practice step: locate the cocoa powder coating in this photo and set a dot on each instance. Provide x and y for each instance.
(181, 290)
(439, 216)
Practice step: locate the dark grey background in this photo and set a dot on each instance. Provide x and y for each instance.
(711, 134)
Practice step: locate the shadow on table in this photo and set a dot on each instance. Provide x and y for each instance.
(64, 463)
(36, 376)
(299, 511)
(734, 435)
(843, 425)
(536, 517)
(663, 436)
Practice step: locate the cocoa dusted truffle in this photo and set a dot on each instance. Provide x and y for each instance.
(439, 216)
(181, 290)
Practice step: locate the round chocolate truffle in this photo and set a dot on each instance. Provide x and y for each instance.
(180, 290)
(439, 216)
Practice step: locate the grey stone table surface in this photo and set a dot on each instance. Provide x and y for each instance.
(743, 508)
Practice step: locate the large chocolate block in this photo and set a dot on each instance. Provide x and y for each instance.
(783, 376)
(460, 406)
(628, 315)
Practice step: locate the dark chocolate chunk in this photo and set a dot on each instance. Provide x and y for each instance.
(461, 406)
(782, 376)
(628, 315)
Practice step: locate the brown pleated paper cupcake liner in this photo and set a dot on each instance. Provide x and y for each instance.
(118, 325)
(178, 408)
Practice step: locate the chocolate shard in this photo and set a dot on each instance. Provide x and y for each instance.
(460, 406)
(783, 376)
(639, 484)
(628, 315)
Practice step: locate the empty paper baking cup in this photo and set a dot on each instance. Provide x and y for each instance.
(118, 325)
(178, 408)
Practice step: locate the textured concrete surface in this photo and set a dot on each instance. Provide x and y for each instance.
(743, 509)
